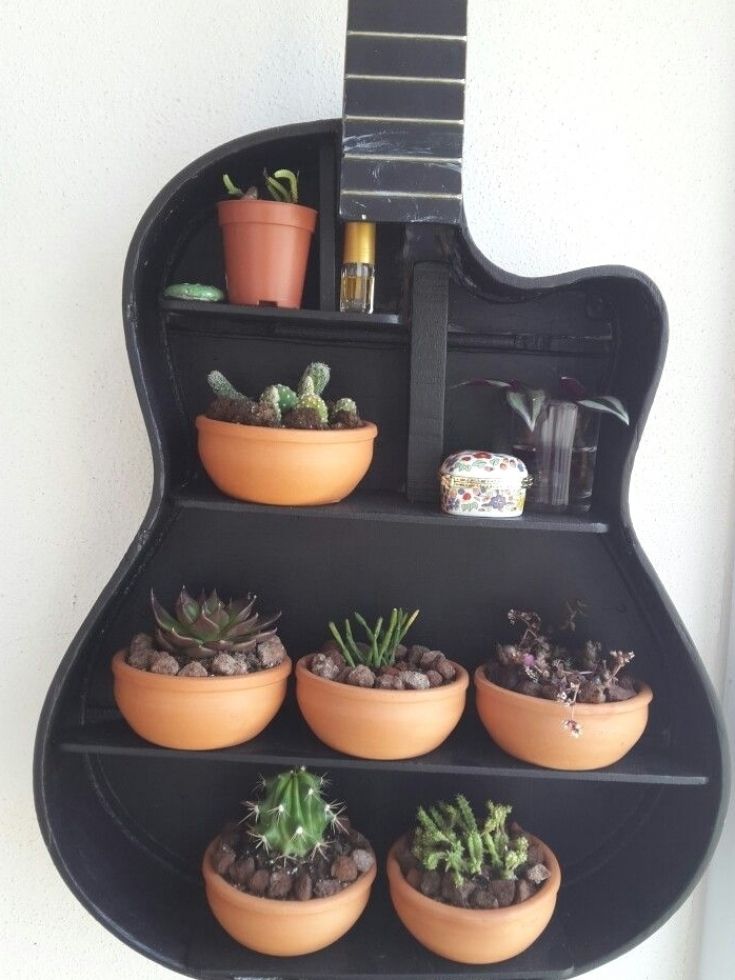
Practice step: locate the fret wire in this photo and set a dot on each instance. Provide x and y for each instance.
(405, 78)
(406, 157)
(404, 119)
(460, 38)
(384, 193)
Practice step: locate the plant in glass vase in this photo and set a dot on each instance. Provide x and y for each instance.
(556, 437)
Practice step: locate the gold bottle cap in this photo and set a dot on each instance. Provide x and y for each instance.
(359, 242)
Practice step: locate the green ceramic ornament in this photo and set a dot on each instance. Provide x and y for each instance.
(194, 290)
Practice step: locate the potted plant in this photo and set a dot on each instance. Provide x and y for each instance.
(211, 676)
(377, 698)
(472, 891)
(294, 876)
(288, 447)
(266, 243)
(560, 705)
(556, 437)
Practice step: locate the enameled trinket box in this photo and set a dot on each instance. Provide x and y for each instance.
(483, 484)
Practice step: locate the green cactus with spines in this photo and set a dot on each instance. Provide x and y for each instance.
(308, 398)
(291, 818)
(287, 397)
(345, 405)
(270, 398)
(448, 837)
(319, 372)
(222, 387)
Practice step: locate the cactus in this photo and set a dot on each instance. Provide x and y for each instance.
(271, 399)
(319, 374)
(291, 818)
(380, 650)
(344, 405)
(287, 397)
(449, 838)
(222, 387)
(308, 398)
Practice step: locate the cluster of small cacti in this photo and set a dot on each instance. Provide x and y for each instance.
(291, 818)
(282, 406)
(448, 838)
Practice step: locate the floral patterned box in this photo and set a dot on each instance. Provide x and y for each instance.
(483, 484)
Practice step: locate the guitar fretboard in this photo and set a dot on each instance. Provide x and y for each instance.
(403, 116)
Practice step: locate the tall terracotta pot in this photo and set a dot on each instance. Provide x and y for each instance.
(266, 247)
(474, 935)
(375, 724)
(532, 729)
(288, 927)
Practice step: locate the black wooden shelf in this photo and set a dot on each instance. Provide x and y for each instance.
(229, 320)
(468, 752)
(378, 945)
(382, 506)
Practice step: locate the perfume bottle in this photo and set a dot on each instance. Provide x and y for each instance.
(357, 285)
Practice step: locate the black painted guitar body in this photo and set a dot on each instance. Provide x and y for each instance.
(127, 822)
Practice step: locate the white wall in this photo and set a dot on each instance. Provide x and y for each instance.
(597, 131)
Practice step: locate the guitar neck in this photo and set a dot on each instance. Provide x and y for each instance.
(403, 116)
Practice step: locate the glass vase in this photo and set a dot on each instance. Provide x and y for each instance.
(560, 454)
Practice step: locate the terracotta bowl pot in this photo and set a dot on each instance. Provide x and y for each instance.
(198, 712)
(374, 724)
(290, 467)
(474, 935)
(284, 928)
(266, 246)
(532, 729)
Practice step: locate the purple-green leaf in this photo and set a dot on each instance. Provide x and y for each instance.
(187, 609)
(609, 404)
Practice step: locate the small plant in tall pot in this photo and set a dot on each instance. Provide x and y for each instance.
(266, 242)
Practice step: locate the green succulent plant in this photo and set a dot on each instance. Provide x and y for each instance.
(447, 837)
(282, 185)
(381, 644)
(290, 817)
(205, 627)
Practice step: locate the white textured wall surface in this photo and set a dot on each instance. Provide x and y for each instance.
(597, 131)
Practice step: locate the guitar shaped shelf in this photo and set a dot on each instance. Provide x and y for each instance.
(127, 822)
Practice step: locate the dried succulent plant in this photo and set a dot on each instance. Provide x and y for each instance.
(541, 664)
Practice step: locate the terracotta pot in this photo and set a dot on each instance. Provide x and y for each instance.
(284, 928)
(532, 729)
(374, 724)
(266, 250)
(198, 712)
(474, 935)
(290, 467)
